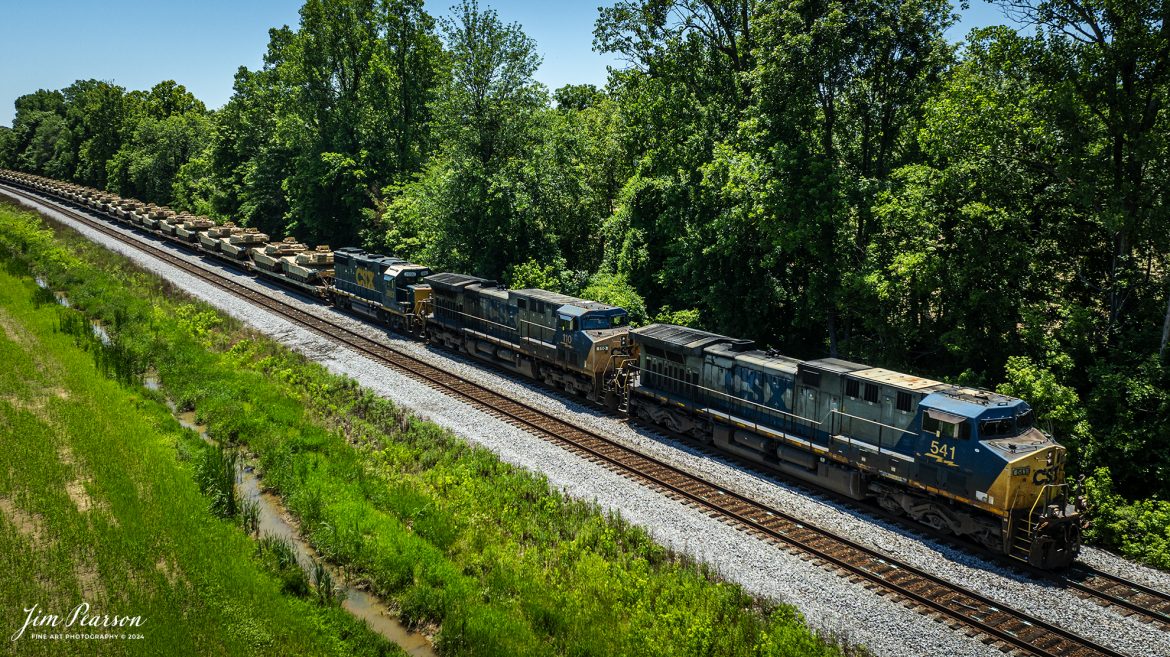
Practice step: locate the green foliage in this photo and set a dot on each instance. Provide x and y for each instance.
(533, 275)
(156, 151)
(480, 191)
(826, 177)
(1058, 407)
(1139, 530)
(280, 556)
(1130, 406)
(118, 516)
(216, 475)
(615, 290)
(690, 317)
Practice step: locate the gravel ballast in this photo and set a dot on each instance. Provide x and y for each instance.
(830, 603)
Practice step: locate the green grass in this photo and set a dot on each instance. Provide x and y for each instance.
(95, 506)
(493, 557)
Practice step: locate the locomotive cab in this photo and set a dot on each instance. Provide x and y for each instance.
(398, 279)
(983, 447)
(588, 337)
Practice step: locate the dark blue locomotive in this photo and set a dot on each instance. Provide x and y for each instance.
(570, 343)
(389, 289)
(959, 459)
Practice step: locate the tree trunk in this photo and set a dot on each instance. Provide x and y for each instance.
(1165, 331)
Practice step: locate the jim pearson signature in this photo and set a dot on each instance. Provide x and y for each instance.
(79, 617)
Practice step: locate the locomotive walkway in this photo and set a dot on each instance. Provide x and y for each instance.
(1009, 630)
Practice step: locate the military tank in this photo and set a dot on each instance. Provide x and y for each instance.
(125, 208)
(171, 224)
(189, 230)
(141, 213)
(240, 245)
(268, 257)
(309, 266)
(159, 215)
(212, 238)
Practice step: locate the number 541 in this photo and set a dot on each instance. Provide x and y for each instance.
(942, 450)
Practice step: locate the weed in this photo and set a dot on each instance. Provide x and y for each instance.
(216, 475)
(500, 560)
(250, 517)
(281, 556)
(145, 543)
(327, 593)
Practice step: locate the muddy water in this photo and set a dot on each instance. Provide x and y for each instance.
(273, 521)
(359, 603)
(61, 298)
(99, 331)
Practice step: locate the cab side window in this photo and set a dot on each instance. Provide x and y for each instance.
(941, 429)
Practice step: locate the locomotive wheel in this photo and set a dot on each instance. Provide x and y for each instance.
(934, 520)
(890, 504)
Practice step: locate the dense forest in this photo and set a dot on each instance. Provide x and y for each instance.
(828, 178)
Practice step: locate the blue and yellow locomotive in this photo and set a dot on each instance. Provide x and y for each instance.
(957, 459)
(388, 289)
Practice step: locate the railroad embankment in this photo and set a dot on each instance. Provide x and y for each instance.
(486, 556)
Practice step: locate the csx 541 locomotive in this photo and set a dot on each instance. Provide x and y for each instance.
(955, 458)
(958, 459)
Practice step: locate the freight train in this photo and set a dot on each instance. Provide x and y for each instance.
(957, 459)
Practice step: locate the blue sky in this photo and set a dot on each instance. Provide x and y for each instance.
(136, 43)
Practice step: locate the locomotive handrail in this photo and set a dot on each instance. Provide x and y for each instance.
(512, 329)
(542, 327)
(1041, 493)
(865, 419)
(480, 319)
(737, 400)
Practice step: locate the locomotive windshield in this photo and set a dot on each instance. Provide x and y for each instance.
(1024, 420)
(600, 322)
(1001, 428)
(1006, 427)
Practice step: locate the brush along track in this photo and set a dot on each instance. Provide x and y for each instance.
(1007, 629)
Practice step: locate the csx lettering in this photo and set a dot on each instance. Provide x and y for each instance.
(364, 278)
(1044, 476)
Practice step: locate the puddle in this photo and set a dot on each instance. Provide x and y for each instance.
(99, 332)
(61, 298)
(361, 604)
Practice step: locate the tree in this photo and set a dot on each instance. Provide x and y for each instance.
(7, 147)
(165, 129)
(1115, 59)
(338, 114)
(39, 121)
(96, 114)
(480, 190)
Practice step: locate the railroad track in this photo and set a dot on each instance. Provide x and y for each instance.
(1010, 630)
(1129, 598)
(1151, 605)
